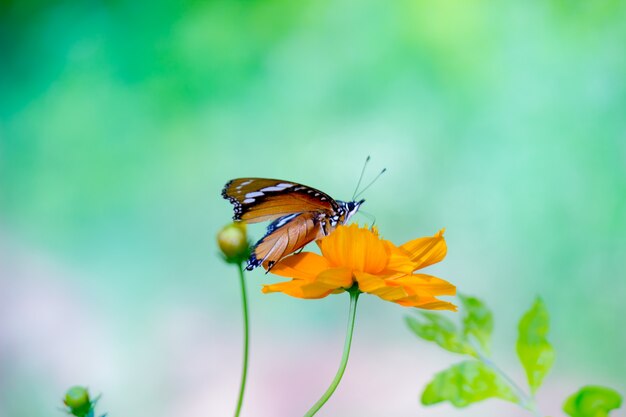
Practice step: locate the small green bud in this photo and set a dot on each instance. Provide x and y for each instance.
(233, 242)
(78, 401)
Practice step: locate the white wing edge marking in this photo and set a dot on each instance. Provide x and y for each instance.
(277, 187)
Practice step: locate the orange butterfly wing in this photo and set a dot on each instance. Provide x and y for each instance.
(298, 212)
(259, 199)
(285, 236)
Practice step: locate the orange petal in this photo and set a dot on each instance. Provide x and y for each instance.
(426, 251)
(331, 244)
(386, 290)
(299, 289)
(305, 265)
(399, 260)
(391, 293)
(423, 283)
(426, 303)
(356, 248)
(368, 282)
(335, 278)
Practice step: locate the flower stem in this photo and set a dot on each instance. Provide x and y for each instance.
(244, 372)
(354, 296)
(525, 400)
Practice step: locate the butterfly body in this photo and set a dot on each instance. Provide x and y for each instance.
(299, 214)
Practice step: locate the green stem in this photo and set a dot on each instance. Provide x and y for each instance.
(244, 372)
(354, 296)
(524, 400)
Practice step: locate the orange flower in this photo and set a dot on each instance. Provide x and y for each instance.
(358, 255)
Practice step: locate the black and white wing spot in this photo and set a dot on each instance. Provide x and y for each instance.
(237, 208)
(278, 187)
(280, 222)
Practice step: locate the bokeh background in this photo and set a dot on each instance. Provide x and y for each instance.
(121, 120)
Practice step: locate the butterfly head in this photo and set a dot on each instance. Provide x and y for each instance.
(349, 208)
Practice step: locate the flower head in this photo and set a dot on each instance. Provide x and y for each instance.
(233, 242)
(78, 401)
(353, 255)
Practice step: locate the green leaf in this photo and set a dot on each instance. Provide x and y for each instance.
(440, 330)
(533, 348)
(478, 322)
(592, 401)
(466, 383)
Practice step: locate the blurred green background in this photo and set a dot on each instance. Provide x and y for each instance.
(121, 120)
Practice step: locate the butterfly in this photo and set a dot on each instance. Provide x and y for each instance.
(298, 213)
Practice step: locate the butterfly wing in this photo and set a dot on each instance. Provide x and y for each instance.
(298, 212)
(284, 236)
(261, 199)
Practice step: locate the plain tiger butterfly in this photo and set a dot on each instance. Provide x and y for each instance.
(299, 214)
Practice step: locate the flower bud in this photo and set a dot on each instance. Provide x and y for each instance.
(77, 399)
(233, 242)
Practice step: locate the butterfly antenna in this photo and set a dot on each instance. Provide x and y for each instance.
(360, 177)
(370, 184)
